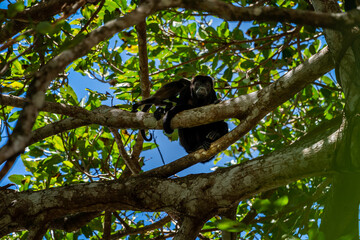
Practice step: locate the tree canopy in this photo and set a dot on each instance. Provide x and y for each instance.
(287, 74)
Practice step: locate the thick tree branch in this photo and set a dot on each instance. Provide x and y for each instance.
(144, 80)
(58, 108)
(219, 8)
(107, 225)
(337, 21)
(37, 230)
(55, 128)
(190, 228)
(341, 212)
(193, 195)
(73, 222)
(37, 13)
(143, 59)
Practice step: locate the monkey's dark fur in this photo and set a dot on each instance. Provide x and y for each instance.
(169, 92)
(350, 4)
(199, 93)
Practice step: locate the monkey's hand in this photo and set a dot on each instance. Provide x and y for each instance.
(205, 145)
(135, 107)
(159, 113)
(167, 127)
(212, 136)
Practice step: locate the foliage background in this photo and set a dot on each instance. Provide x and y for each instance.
(243, 57)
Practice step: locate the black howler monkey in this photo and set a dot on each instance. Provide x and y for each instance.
(199, 93)
(167, 92)
(350, 4)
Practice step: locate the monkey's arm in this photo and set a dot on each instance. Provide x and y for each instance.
(167, 92)
(170, 115)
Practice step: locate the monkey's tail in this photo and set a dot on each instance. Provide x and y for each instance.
(143, 134)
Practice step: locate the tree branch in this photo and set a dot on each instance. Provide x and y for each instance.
(145, 85)
(132, 165)
(190, 228)
(73, 222)
(342, 205)
(107, 226)
(193, 195)
(143, 58)
(133, 231)
(336, 21)
(37, 13)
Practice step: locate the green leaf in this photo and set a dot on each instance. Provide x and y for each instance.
(262, 205)
(281, 202)
(123, 4)
(192, 29)
(35, 151)
(14, 8)
(154, 27)
(202, 33)
(58, 143)
(176, 24)
(69, 94)
(16, 178)
(14, 116)
(44, 27)
(229, 225)
(111, 6)
(68, 163)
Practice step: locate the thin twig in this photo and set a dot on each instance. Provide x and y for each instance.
(132, 165)
(158, 148)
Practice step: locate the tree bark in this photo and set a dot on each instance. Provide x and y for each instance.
(192, 196)
(341, 212)
(190, 228)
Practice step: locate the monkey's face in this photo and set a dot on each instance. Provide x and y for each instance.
(202, 86)
(202, 89)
